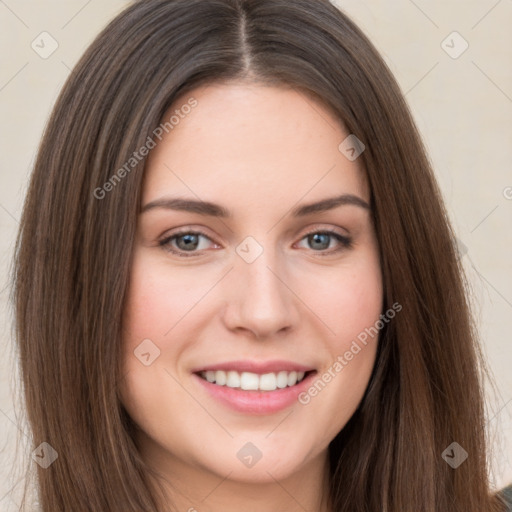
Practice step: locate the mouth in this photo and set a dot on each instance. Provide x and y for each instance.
(249, 381)
(254, 388)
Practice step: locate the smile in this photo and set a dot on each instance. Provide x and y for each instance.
(252, 387)
(249, 381)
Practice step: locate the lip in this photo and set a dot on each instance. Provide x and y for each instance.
(255, 402)
(259, 367)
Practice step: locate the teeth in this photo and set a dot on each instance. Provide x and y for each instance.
(233, 380)
(220, 378)
(249, 381)
(253, 381)
(282, 379)
(268, 382)
(292, 378)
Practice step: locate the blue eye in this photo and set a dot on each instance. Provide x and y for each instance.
(189, 242)
(185, 241)
(320, 241)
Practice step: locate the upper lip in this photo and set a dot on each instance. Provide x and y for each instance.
(259, 367)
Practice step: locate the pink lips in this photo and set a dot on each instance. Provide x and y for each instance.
(259, 367)
(255, 402)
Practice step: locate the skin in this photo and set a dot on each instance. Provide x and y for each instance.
(258, 151)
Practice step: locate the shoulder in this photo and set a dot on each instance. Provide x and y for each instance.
(506, 494)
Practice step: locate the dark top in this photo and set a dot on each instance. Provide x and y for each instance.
(506, 494)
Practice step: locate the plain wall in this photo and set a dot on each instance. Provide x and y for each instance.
(462, 105)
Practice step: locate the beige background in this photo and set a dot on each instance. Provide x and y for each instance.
(463, 107)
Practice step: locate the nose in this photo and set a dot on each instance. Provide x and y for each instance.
(260, 299)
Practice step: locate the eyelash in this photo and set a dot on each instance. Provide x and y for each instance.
(346, 242)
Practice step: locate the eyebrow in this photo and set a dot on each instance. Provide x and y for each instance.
(215, 210)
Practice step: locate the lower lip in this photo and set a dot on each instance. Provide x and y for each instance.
(256, 402)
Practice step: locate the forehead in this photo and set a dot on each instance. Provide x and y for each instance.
(252, 143)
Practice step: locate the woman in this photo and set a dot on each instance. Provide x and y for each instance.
(236, 284)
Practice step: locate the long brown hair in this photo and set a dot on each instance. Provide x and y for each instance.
(73, 257)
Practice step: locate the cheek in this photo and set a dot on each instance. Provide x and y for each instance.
(157, 299)
(348, 301)
(356, 305)
(350, 304)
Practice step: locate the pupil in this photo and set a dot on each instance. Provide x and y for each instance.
(190, 241)
(317, 239)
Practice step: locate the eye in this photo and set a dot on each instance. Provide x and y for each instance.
(183, 242)
(321, 240)
(188, 241)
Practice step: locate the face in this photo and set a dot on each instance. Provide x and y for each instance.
(244, 299)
